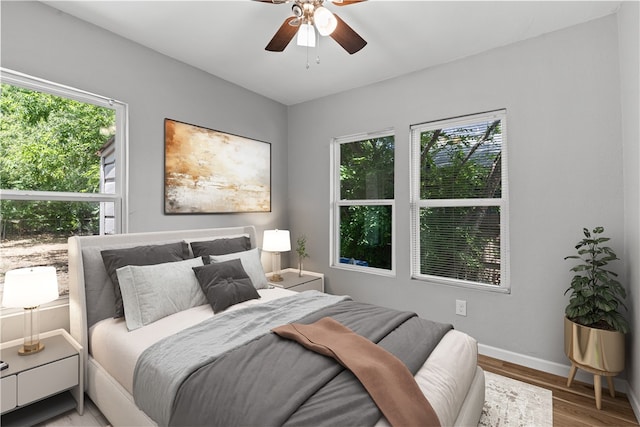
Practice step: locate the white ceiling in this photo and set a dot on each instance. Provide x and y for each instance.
(227, 38)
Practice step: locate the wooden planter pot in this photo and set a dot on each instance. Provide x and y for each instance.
(596, 351)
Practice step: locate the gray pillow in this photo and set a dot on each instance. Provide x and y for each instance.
(113, 259)
(151, 292)
(225, 284)
(250, 262)
(221, 246)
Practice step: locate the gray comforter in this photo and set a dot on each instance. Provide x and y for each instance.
(267, 381)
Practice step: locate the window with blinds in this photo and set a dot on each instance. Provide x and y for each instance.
(363, 202)
(459, 201)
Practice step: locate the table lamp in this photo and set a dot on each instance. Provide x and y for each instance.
(28, 288)
(276, 241)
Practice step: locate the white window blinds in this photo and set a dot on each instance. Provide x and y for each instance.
(459, 200)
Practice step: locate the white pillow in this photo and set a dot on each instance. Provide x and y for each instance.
(250, 262)
(151, 292)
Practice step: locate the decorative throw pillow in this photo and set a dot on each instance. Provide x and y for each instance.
(140, 255)
(225, 284)
(151, 292)
(250, 262)
(221, 246)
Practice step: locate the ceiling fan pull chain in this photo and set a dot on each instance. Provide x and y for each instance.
(307, 57)
(318, 48)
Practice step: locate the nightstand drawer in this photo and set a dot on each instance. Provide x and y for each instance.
(48, 379)
(8, 393)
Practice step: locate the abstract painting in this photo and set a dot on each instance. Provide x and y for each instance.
(208, 171)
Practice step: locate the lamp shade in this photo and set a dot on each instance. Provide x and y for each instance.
(29, 287)
(306, 36)
(276, 241)
(325, 21)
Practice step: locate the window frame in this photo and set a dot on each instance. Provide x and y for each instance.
(416, 203)
(336, 203)
(120, 196)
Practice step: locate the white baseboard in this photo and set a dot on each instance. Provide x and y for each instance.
(634, 401)
(559, 369)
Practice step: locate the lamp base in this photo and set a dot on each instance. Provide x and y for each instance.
(28, 349)
(276, 278)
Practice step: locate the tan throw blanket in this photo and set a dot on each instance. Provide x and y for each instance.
(386, 379)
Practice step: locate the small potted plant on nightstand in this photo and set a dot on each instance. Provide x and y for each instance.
(301, 250)
(593, 327)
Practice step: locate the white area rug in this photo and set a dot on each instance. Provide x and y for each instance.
(510, 403)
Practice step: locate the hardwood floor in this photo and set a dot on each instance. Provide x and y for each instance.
(574, 406)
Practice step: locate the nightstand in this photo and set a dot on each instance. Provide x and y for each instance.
(293, 282)
(42, 385)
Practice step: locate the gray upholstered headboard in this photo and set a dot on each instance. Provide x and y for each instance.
(91, 294)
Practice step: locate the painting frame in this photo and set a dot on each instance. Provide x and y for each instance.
(207, 171)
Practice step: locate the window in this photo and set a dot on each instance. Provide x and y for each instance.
(459, 201)
(62, 171)
(363, 210)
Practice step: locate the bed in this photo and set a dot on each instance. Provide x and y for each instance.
(123, 354)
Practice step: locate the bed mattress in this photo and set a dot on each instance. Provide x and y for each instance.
(443, 379)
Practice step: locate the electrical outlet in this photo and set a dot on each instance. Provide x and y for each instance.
(461, 307)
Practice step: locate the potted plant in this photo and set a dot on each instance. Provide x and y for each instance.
(301, 250)
(595, 293)
(594, 327)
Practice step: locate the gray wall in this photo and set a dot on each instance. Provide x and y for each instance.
(572, 105)
(46, 43)
(562, 95)
(629, 45)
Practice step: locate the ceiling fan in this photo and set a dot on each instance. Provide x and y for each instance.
(310, 13)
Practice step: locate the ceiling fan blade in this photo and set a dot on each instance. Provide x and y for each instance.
(341, 2)
(347, 37)
(283, 36)
(273, 1)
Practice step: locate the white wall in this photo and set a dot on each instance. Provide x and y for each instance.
(562, 95)
(629, 47)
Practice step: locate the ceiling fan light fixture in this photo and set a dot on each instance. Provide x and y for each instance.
(306, 35)
(325, 21)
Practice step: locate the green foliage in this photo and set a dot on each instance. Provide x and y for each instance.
(461, 242)
(365, 235)
(367, 173)
(50, 143)
(596, 295)
(454, 246)
(461, 163)
(366, 169)
(49, 217)
(301, 248)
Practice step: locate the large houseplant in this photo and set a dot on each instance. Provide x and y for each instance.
(593, 326)
(596, 295)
